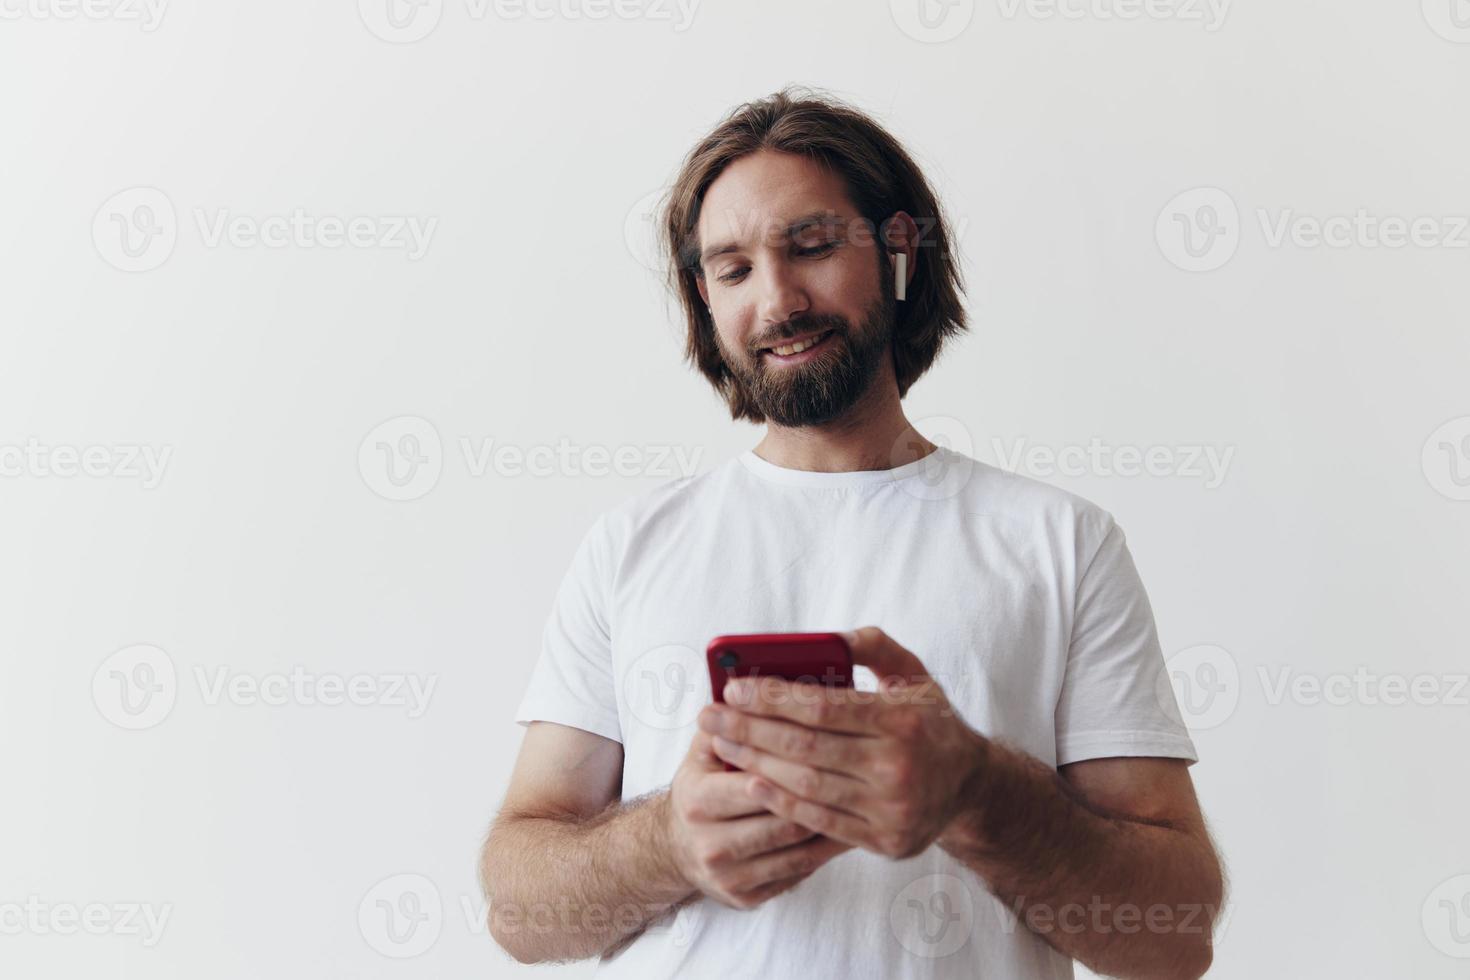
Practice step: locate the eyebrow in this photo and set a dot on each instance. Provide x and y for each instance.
(826, 216)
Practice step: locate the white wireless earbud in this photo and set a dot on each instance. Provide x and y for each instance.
(900, 275)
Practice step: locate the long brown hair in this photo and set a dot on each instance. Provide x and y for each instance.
(881, 178)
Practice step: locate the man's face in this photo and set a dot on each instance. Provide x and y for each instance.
(787, 260)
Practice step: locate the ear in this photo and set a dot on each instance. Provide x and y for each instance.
(703, 288)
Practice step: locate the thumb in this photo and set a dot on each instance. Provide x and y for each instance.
(890, 663)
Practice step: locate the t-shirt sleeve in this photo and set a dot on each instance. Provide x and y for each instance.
(572, 682)
(1116, 699)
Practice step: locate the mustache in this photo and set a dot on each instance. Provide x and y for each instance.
(795, 328)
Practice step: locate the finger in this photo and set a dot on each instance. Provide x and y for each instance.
(721, 793)
(833, 709)
(833, 789)
(724, 796)
(833, 751)
(748, 837)
(798, 861)
(835, 824)
(716, 794)
(889, 661)
(770, 889)
(702, 753)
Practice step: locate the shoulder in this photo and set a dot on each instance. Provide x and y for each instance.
(665, 505)
(1033, 507)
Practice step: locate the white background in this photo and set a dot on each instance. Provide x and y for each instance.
(1335, 541)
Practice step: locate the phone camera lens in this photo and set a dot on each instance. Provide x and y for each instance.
(728, 660)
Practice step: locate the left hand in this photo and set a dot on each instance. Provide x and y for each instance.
(884, 770)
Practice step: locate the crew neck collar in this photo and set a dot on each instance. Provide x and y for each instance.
(769, 471)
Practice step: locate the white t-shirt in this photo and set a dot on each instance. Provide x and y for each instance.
(1021, 599)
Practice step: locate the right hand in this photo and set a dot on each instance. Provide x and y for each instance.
(729, 846)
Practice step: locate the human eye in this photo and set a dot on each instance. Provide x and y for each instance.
(821, 248)
(815, 250)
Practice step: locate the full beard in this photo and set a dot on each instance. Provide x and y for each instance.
(821, 389)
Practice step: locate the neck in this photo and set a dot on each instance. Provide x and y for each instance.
(872, 435)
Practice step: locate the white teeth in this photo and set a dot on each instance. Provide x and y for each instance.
(790, 349)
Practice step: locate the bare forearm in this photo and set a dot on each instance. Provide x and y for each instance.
(568, 889)
(1125, 897)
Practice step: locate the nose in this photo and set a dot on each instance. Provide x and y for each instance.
(782, 295)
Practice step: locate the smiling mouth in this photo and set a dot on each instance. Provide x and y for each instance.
(794, 347)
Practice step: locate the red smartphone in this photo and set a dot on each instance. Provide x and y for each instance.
(813, 658)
